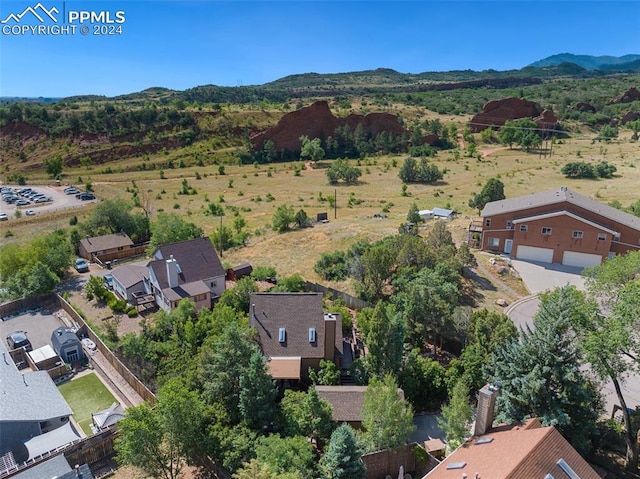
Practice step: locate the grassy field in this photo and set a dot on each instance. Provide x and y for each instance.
(86, 395)
(255, 192)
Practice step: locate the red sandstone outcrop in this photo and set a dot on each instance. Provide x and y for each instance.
(317, 121)
(585, 106)
(631, 116)
(22, 130)
(632, 94)
(546, 120)
(497, 112)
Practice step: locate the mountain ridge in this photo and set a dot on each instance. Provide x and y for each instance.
(588, 62)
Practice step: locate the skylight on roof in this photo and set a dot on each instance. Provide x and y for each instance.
(549, 476)
(282, 335)
(456, 465)
(484, 440)
(312, 335)
(566, 468)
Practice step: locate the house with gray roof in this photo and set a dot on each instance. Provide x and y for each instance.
(558, 226)
(67, 345)
(294, 332)
(187, 269)
(30, 405)
(129, 281)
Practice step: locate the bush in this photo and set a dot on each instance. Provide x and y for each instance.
(578, 169)
(264, 273)
(332, 266)
(413, 171)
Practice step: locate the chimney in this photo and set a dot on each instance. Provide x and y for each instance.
(172, 272)
(486, 408)
(330, 321)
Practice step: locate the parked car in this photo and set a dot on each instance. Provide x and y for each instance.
(42, 200)
(108, 281)
(81, 265)
(87, 195)
(18, 339)
(71, 190)
(4, 217)
(29, 212)
(23, 203)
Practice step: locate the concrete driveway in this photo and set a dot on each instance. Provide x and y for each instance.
(539, 277)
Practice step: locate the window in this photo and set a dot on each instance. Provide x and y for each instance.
(509, 225)
(524, 228)
(546, 230)
(616, 237)
(487, 222)
(602, 236)
(494, 242)
(577, 234)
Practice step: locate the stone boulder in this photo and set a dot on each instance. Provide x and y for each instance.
(632, 94)
(585, 106)
(631, 116)
(496, 112)
(317, 121)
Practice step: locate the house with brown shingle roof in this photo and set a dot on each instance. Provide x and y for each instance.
(106, 247)
(558, 226)
(187, 269)
(294, 332)
(515, 452)
(347, 402)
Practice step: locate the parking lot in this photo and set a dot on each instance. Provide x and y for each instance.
(56, 194)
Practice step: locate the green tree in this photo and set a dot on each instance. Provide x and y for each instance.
(53, 166)
(286, 455)
(607, 133)
(31, 280)
(308, 415)
(257, 394)
(541, 374)
(238, 297)
(327, 375)
(342, 170)
(386, 417)
(456, 416)
(283, 218)
(311, 149)
(170, 228)
(578, 169)
(413, 216)
(377, 262)
(301, 218)
(162, 440)
(423, 381)
(114, 216)
(342, 459)
(634, 126)
(222, 366)
(493, 190)
(610, 340)
(332, 266)
(384, 341)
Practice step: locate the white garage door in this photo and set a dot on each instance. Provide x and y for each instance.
(571, 258)
(531, 253)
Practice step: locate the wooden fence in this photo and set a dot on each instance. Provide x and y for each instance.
(126, 374)
(382, 464)
(26, 304)
(351, 301)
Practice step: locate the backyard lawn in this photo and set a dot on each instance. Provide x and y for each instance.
(86, 395)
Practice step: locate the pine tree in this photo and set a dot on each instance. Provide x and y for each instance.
(343, 459)
(456, 416)
(257, 394)
(541, 374)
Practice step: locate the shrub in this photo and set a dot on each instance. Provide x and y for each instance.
(332, 266)
(263, 273)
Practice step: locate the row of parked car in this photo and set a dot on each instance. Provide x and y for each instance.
(23, 196)
(81, 195)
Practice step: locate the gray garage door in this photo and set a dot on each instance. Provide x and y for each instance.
(582, 260)
(531, 253)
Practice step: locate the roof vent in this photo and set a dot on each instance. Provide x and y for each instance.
(483, 440)
(456, 465)
(566, 468)
(312, 335)
(549, 476)
(282, 335)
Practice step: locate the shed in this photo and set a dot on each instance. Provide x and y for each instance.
(107, 417)
(237, 272)
(67, 345)
(443, 213)
(426, 214)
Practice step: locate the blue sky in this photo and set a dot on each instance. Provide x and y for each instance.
(182, 44)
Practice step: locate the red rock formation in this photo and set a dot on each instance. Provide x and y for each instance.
(632, 94)
(546, 120)
(23, 130)
(631, 116)
(317, 121)
(585, 106)
(497, 112)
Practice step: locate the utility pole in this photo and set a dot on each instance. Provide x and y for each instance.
(220, 235)
(335, 204)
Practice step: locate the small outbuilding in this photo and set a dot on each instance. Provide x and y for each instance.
(67, 345)
(426, 214)
(237, 272)
(443, 214)
(107, 417)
